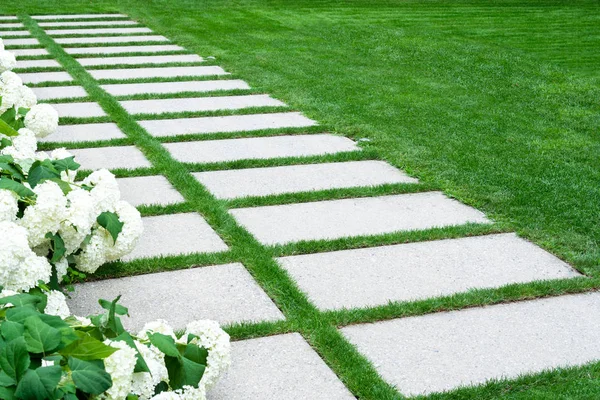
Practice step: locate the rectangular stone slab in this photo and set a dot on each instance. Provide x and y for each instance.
(229, 295)
(79, 110)
(20, 42)
(415, 271)
(11, 24)
(229, 123)
(354, 217)
(14, 33)
(85, 133)
(110, 157)
(231, 184)
(29, 52)
(59, 92)
(442, 351)
(7, 18)
(123, 49)
(78, 16)
(112, 39)
(156, 72)
(176, 234)
(275, 368)
(37, 64)
(207, 151)
(159, 106)
(149, 190)
(137, 60)
(85, 23)
(125, 89)
(38, 77)
(97, 31)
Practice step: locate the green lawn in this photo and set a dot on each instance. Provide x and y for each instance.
(497, 103)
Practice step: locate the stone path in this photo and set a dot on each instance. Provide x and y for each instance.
(261, 153)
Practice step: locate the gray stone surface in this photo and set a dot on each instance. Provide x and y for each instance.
(416, 271)
(85, 133)
(37, 64)
(79, 110)
(85, 23)
(354, 217)
(230, 184)
(159, 106)
(443, 351)
(276, 368)
(29, 52)
(77, 16)
(20, 42)
(125, 89)
(123, 49)
(4, 34)
(59, 92)
(11, 24)
(137, 60)
(175, 234)
(7, 17)
(97, 31)
(230, 123)
(156, 72)
(38, 77)
(225, 293)
(207, 151)
(110, 157)
(149, 190)
(112, 39)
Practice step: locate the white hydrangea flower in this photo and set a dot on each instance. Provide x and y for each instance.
(105, 192)
(120, 366)
(46, 214)
(166, 396)
(9, 78)
(7, 61)
(82, 321)
(42, 119)
(20, 267)
(61, 268)
(27, 97)
(57, 304)
(192, 393)
(130, 233)
(143, 383)
(79, 218)
(8, 205)
(23, 147)
(93, 253)
(158, 326)
(216, 341)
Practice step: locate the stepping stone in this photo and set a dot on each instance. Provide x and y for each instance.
(176, 234)
(112, 39)
(125, 89)
(37, 64)
(85, 23)
(149, 190)
(79, 110)
(416, 271)
(159, 106)
(209, 151)
(230, 123)
(97, 31)
(156, 72)
(7, 17)
(442, 351)
(11, 25)
(28, 52)
(123, 49)
(14, 33)
(39, 77)
(78, 16)
(229, 295)
(354, 217)
(59, 92)
(85, 133)
(278, 367)
(128, 157)
(20, 42)
(137, 60)
(231, 184)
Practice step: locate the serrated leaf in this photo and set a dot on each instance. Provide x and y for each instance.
(6, 380)
(11, 330)
(17, 187)
(165, 343)
(14, 358)
(40, 337)
(12, 170)
(7, 393)
(39, 384)
(66, 164)
(196, 353)
(21, 299)
(89, 376)
(110, 221)
(41, 171)
(20, 314)
(87, 348)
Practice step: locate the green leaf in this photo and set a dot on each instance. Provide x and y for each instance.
(39, 384)
(140, 364)
(119, 309)
(20, 314)
(40, 337)
(183, 372)
(89, 376)
(110, 221)
(7, 130)
(57, 246)
(20, 300)
(17, 187)
(40, 171)
(66, 164)
(22, 111)
(11, 330)
(87, 348)
(9, 115)
(64, 186)
(6, 380)
(14, 358)
(165, 343)
(7, 393)
(68, 334)
(196, 353)
(4, 142)
(13, 170)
